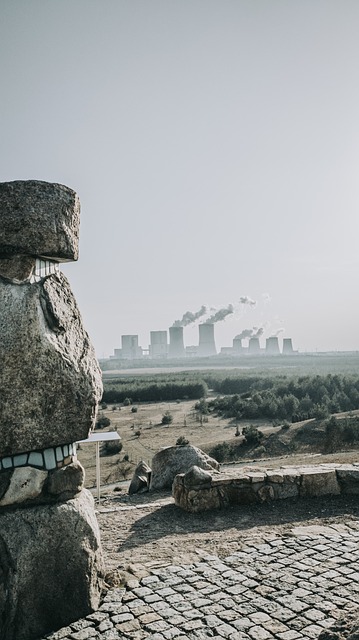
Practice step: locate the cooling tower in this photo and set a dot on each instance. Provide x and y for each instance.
(272, 346)
(254, 346)
(159, 345)
(207, 345)
(176, 348)
(287, 346)
(237, 345)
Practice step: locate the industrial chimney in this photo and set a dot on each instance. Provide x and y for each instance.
(253, 346)
(287, 346)
(272, 346)
(176, 348)
(207, 345)
(158, 346)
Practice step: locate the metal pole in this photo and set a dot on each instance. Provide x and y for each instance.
(98, 474)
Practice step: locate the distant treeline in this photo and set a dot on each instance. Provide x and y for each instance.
(154, 388)
(275, 397)
(280, 398)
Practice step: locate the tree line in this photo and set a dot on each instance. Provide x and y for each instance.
(292, 399)
(150, 390)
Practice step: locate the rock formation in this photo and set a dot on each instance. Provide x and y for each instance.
(169, 462)
(140, 482)
(50, 384)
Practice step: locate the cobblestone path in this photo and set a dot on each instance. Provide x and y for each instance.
(289, 588)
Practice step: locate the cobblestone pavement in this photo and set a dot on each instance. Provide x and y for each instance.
(289, 588)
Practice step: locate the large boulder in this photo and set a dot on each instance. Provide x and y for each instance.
(39, 219)
(50, 567)
(50, 381)
(168, 462)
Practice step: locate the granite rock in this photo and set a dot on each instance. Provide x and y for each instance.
(50, 381)
(51, 567)
(169, 462)
(39, 219)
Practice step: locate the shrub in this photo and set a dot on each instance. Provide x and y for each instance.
(102, 422)
(252, 435)
(167, 418)
(134, 409)
(127, 402)
(221, 451)
(182, 441)
(111, 447)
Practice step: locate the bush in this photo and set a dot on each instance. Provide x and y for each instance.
(221, 452)
(134, 409)
(127, 402)
(102, 422)
(111, 447)
(252, 435)
(182, 441)
(167, 418)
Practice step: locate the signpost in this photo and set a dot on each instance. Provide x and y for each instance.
(97, 438)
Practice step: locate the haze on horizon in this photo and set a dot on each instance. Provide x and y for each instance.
(214, 145)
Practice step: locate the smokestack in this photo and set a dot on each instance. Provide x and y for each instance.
(207, 345)
(176, 348)
(272, 346)
(254, 346)
(287, 346)
(158, 346)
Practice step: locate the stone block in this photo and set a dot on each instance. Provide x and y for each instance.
(318, 482)
(39, 219)
(51, 567)
(50, 381)
(348, 478)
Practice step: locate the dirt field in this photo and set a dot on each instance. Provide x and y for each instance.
(142, 435)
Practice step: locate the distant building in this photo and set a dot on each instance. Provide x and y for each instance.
(158, 344)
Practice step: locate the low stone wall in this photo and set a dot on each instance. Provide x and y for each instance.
(200, 490)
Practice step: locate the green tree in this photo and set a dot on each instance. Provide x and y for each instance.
(252, 435)
(167, 418)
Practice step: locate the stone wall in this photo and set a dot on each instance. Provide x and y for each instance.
(200, 490)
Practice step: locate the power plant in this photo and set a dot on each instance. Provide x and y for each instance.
(158, 344)
(272, 346)
(287, 346)
(176, 348)
(207, 345)
(254, 345)
(161, 349)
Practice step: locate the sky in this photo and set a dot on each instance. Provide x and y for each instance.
(214, 145)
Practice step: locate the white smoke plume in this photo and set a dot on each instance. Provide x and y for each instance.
(189, 317)
(246, 333)
(220, 315)
(247, 300)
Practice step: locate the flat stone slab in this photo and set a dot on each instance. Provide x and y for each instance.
(39, 219)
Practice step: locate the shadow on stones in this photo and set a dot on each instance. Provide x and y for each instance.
(170, 520)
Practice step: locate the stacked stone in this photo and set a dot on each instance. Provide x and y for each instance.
(199, 490)
(50, 384)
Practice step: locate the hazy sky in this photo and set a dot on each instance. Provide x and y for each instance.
(214, 145)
